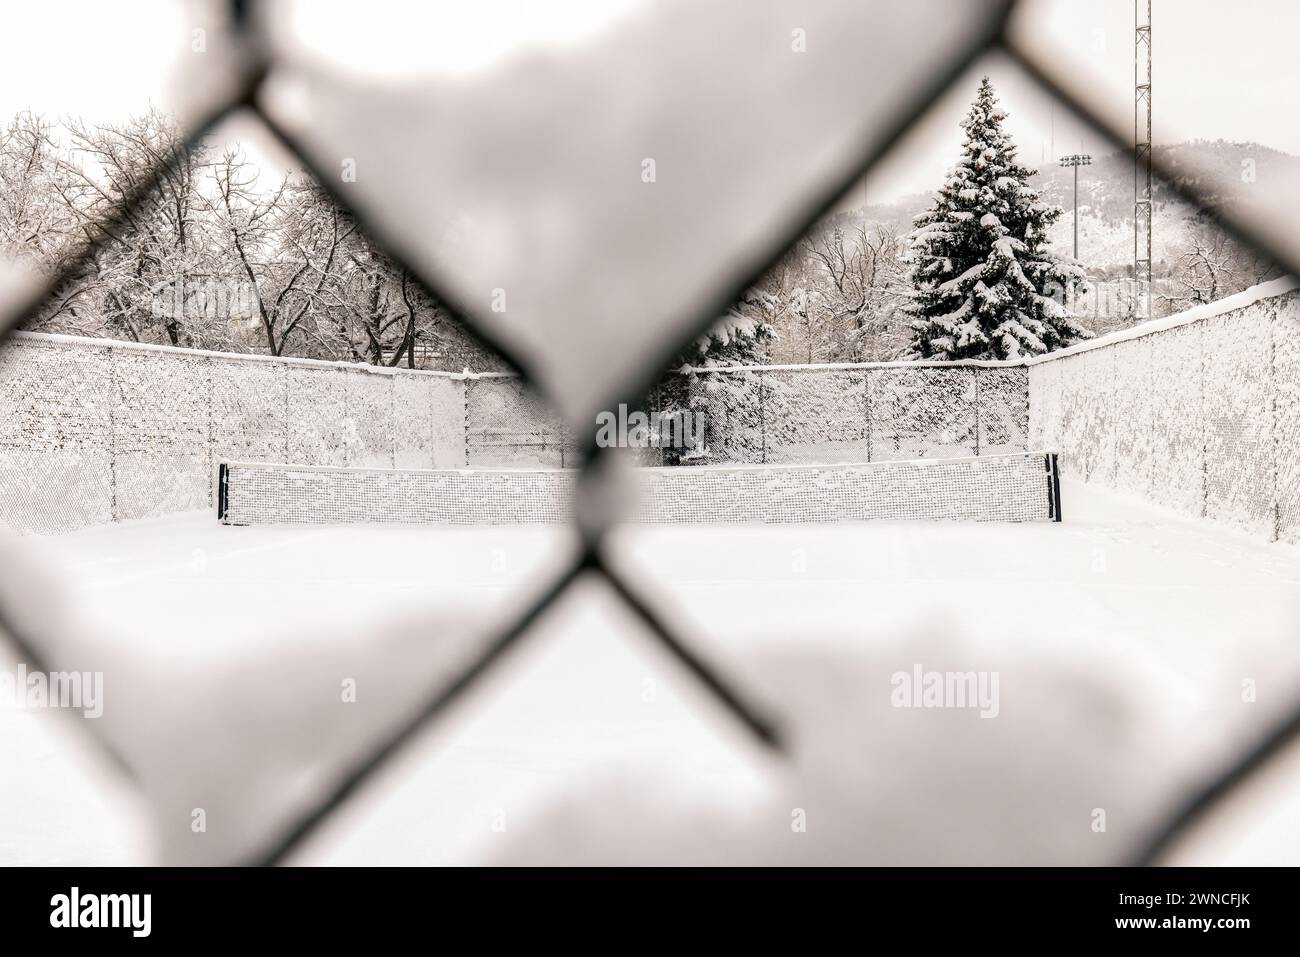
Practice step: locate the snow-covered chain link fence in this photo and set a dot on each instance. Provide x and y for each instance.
(1198, 412)
(861, 412)
(1195, 412)
(98, 431)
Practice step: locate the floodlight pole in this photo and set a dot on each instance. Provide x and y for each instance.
(1076, 160)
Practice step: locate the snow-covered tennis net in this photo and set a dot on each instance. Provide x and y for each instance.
(1014, 488)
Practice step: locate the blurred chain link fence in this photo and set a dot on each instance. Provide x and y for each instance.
(755, 416)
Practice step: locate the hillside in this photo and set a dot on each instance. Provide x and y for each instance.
(1106, 198)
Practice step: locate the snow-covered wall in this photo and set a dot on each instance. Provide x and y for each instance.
(94, 431)
(1199, 411)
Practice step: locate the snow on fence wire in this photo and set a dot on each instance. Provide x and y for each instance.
(1199, 411)
(866, 412)
(94, 431)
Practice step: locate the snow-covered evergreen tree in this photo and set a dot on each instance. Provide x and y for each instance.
(740, 338)
(986, 285)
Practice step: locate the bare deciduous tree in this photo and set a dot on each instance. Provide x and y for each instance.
(160, 239)
(34, 224)
(284, 242)
(373, 311)
(836, 296)
(1211, 265)
(856, 283)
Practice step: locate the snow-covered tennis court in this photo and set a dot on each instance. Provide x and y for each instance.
(1120, 638)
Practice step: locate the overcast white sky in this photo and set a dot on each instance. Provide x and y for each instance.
(1221, 70)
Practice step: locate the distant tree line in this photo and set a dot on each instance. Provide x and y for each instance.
(835, 296)
(218, 257)
(222, 257)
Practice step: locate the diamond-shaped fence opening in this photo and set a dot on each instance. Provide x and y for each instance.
(531, 237)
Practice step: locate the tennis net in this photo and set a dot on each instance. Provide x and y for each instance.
(1016, 488)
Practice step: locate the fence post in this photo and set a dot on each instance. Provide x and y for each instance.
(866, 408)
(115, 399)
(465, 393)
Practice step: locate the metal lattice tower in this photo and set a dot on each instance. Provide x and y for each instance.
(1142, 157)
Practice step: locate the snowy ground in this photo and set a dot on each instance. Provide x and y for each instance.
(1121, 639)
